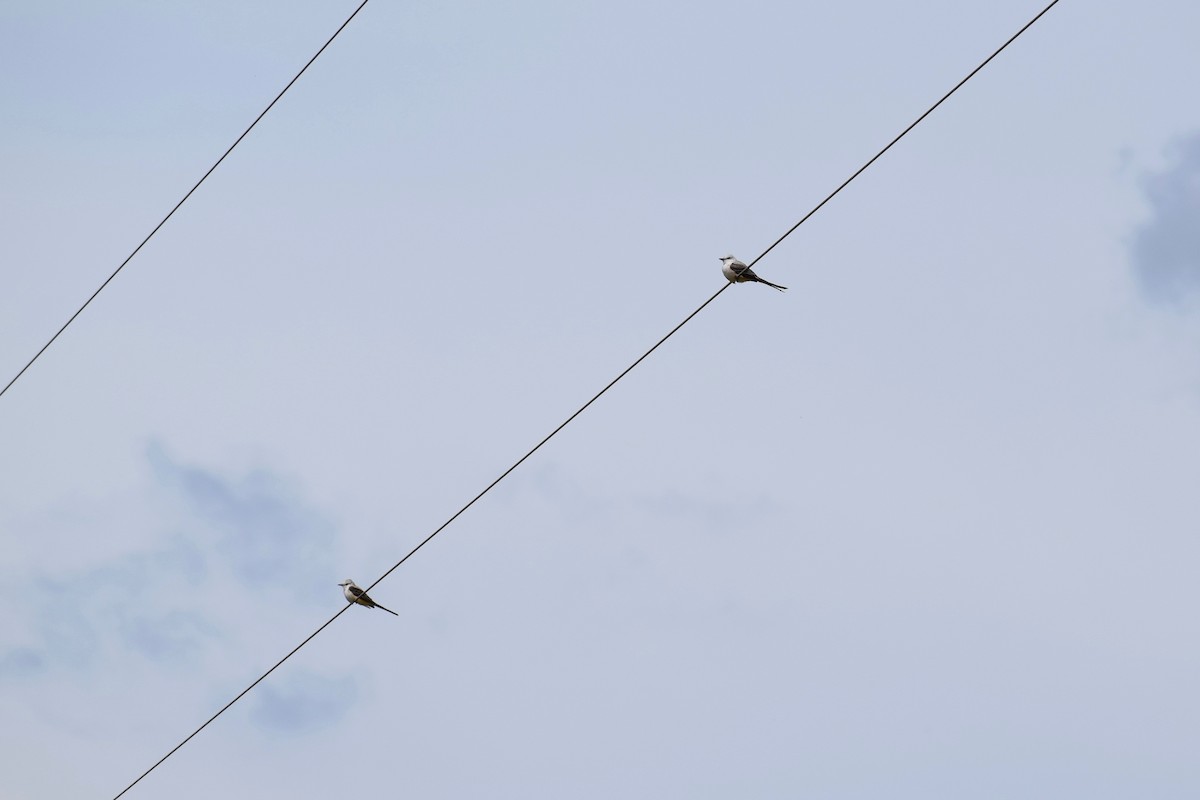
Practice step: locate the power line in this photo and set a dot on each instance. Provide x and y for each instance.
(594, 398)
(904, 132)
(426, 540)
(171, 213)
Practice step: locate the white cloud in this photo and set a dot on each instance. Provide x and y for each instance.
(303, 702)
(262, 529)
(1166, 249)
(174, 594)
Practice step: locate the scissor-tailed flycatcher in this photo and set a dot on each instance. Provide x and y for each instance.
(356, 595)
(737, 272)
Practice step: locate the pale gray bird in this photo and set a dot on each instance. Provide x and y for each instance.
(356, 595)
(737, 272)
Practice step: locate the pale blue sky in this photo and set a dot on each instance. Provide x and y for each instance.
(925, 526)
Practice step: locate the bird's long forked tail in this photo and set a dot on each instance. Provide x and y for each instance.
(355, 595)
(772, 285)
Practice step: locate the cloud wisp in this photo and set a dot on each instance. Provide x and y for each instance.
(168, 603)
(303, 702)
(1166, 248)
(262, 530)
(134, 603)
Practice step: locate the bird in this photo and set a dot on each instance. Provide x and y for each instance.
(737, 272)
(356, 595)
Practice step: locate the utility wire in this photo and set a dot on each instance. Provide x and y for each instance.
(171, 213)
(904, 132)
(444, 525)
(594, 398)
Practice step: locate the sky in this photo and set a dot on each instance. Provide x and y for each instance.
(924, 526)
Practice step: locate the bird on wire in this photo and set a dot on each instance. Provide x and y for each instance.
(738, 272)
(356, 595)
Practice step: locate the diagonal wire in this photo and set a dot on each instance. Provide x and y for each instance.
(586, 405)
(171, 213)
(551, 435)
(904, 132)
(231, 702)
(445, 524)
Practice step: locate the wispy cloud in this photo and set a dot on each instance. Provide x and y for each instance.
(134, 603)
(262, 529)
(170, 636)
(1166, 249)
(303, 702)
(168, 603)
(21, 662)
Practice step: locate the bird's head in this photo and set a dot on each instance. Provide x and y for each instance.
(346, 582)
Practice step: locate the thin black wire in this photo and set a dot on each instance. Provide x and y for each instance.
(586, 405)
(231, 702)
(445, 524)
(551, 435)
(904, 132)
(181, 202)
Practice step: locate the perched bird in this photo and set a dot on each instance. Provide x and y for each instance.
(356, 595)
(737, 272)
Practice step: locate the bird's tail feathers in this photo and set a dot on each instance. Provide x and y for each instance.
(393, 613)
